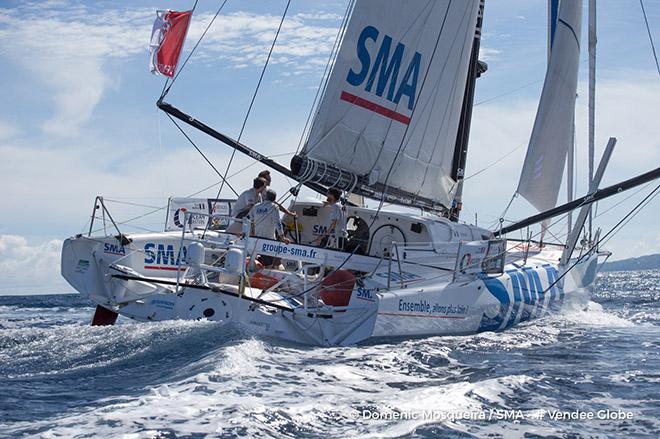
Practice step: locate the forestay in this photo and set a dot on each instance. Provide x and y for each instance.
(552, 134)
(394, 95)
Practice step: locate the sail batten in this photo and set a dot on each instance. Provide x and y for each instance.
(391, 108)
(552, 135)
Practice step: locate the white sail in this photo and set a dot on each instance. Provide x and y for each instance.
(552, 134)
(395, 93)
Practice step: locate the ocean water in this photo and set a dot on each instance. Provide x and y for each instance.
(600, 358)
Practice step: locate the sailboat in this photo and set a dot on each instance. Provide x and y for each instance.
(393, 126)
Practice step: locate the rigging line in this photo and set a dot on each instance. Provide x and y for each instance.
(160, 155)
(202, 154)
(254, 96)
(326, 73)
(508, 92)
(247, 114)
(599, 214)
(612, 232)
(167, 90)
(630, 215)
(506, 209)
(648, 30)
(382, 197)
(496, 161)
(236, 173)
(412, 113)
(110, 200)
(351, 108)
(427, 15)
(125, 223)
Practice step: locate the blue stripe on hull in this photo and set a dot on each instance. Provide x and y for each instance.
(530, 292)
(517, 300)
(527, 299)
(497, 289)
(557, 287)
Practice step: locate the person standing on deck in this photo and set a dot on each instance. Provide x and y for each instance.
(266, 223)
(245, 202)
(265, 174)
(250, 197)
(336, 231)
(265, 218)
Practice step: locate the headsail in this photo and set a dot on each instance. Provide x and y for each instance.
(389, 116)
(552, 134)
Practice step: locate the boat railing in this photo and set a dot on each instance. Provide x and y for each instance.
(470, 258)
(105, 216)
(240, 243)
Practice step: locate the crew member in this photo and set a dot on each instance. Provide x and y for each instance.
(336, 231)
(265, 219)
(265, 174)
(245, 202)
(250, 197)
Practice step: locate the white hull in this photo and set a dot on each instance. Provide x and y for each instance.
(421, 299)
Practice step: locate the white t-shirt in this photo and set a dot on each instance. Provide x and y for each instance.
(246, 200)
(266, 219)
(337, 215)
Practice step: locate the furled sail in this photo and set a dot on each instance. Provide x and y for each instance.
(552, 134)
(390, 112)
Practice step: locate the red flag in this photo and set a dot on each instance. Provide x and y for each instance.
(167, 38)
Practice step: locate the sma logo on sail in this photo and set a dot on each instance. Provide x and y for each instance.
(385, 70)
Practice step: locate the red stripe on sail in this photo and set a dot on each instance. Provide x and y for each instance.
(372, 106)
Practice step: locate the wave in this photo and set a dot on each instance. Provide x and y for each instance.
(198, 378)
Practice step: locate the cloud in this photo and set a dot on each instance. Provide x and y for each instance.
(72, 50)
(82, 55)
(241, 38)
(68, 51)
(488, 53)
(7, 131)
(30, 269)
(626, 108)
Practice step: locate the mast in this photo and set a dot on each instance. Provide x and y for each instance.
(553, 10)
(553, 13)
(592, 96)
(570, 180)
(477, 68)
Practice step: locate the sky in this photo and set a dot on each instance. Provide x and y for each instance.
(79, 117)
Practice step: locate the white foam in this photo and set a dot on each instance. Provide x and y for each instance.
(251, 387)
(70, 347)
(592, 314)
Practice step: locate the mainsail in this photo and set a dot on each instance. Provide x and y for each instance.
(552, 134)
(388, 119)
